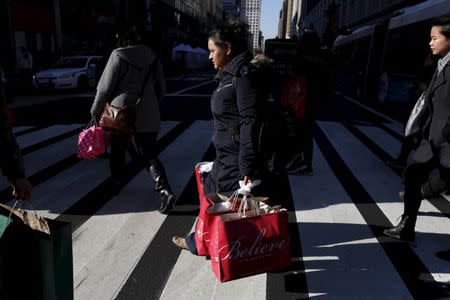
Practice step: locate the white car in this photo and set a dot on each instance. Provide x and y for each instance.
(70, 72)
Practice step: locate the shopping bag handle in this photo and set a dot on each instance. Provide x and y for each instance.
(20, 212)
(92, 122)
(13, 208)
(247, 198)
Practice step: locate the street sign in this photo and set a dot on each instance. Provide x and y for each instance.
(283, 52)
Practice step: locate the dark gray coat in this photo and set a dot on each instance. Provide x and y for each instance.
(121, 84)
(436, 121)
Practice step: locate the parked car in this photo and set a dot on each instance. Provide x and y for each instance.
(70, 72)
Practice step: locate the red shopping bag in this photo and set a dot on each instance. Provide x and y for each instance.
(295, 95)
(212, 206)
(243, 246)
(90, 142)
(205, 221)
(201, 240)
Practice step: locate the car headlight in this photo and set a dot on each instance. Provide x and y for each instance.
(67, 75)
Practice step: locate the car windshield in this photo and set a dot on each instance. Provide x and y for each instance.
(71, 62)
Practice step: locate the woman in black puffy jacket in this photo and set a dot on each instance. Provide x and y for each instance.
(236, 109)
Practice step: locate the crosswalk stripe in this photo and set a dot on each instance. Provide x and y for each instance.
(120, 241)
(192, 87)
(22, 130)
(40, 136)
(54, 139)
(292, 282)
(336, 241)
(398, 134)
(378, 137)
(48, 162)
(376, 143)
(391, 123)
(160, 255)
(85, 207)
(415, 274)
(18, 129)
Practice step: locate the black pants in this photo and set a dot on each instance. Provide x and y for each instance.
(408, 145)
(417, 174)
(146, 148)
(304, 141)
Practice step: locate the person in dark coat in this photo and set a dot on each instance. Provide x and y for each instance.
(318, 89)
(121, 83)
(11, 161)
(434, 149)
(236, 109)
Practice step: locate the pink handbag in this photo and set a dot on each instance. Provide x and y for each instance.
(90, 142)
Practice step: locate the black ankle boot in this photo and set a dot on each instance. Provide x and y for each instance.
(116, 186)
(167, 201)
(444, 255)
(404, 230)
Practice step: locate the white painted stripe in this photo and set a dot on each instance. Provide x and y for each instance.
(44, 134)
(394, 124)
(340, 257)
(20, 128)
(190, 95)
(192, 275)
(193, 87)
(62, 191)
(388, 143)
(383, 185)
(442, 277)
(317, 258)
(42, 158)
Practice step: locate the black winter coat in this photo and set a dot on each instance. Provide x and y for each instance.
(236, 115)
(436, 121)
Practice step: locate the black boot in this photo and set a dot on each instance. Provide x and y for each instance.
(404, 230)
(159, 176)
(167, 201)
(444, 255)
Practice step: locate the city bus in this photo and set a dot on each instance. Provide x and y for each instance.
(382, 64)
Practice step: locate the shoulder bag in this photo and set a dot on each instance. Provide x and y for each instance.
(122, 119)
(413, 125)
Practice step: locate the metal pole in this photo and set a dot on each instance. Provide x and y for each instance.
(57, 25)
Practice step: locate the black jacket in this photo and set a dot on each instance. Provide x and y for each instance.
(436, 121)
(236, 115)
(11, 161)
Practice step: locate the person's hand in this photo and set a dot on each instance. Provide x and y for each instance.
(247, 180)
(22, 189)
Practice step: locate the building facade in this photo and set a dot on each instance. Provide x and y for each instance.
(251, 14)
(330, 17)
(231, 9)
(19, 28)
(68, 27)
(289, 20)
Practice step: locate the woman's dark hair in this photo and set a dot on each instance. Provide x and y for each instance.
(234, 33)
(443, 24)
(131, 35)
